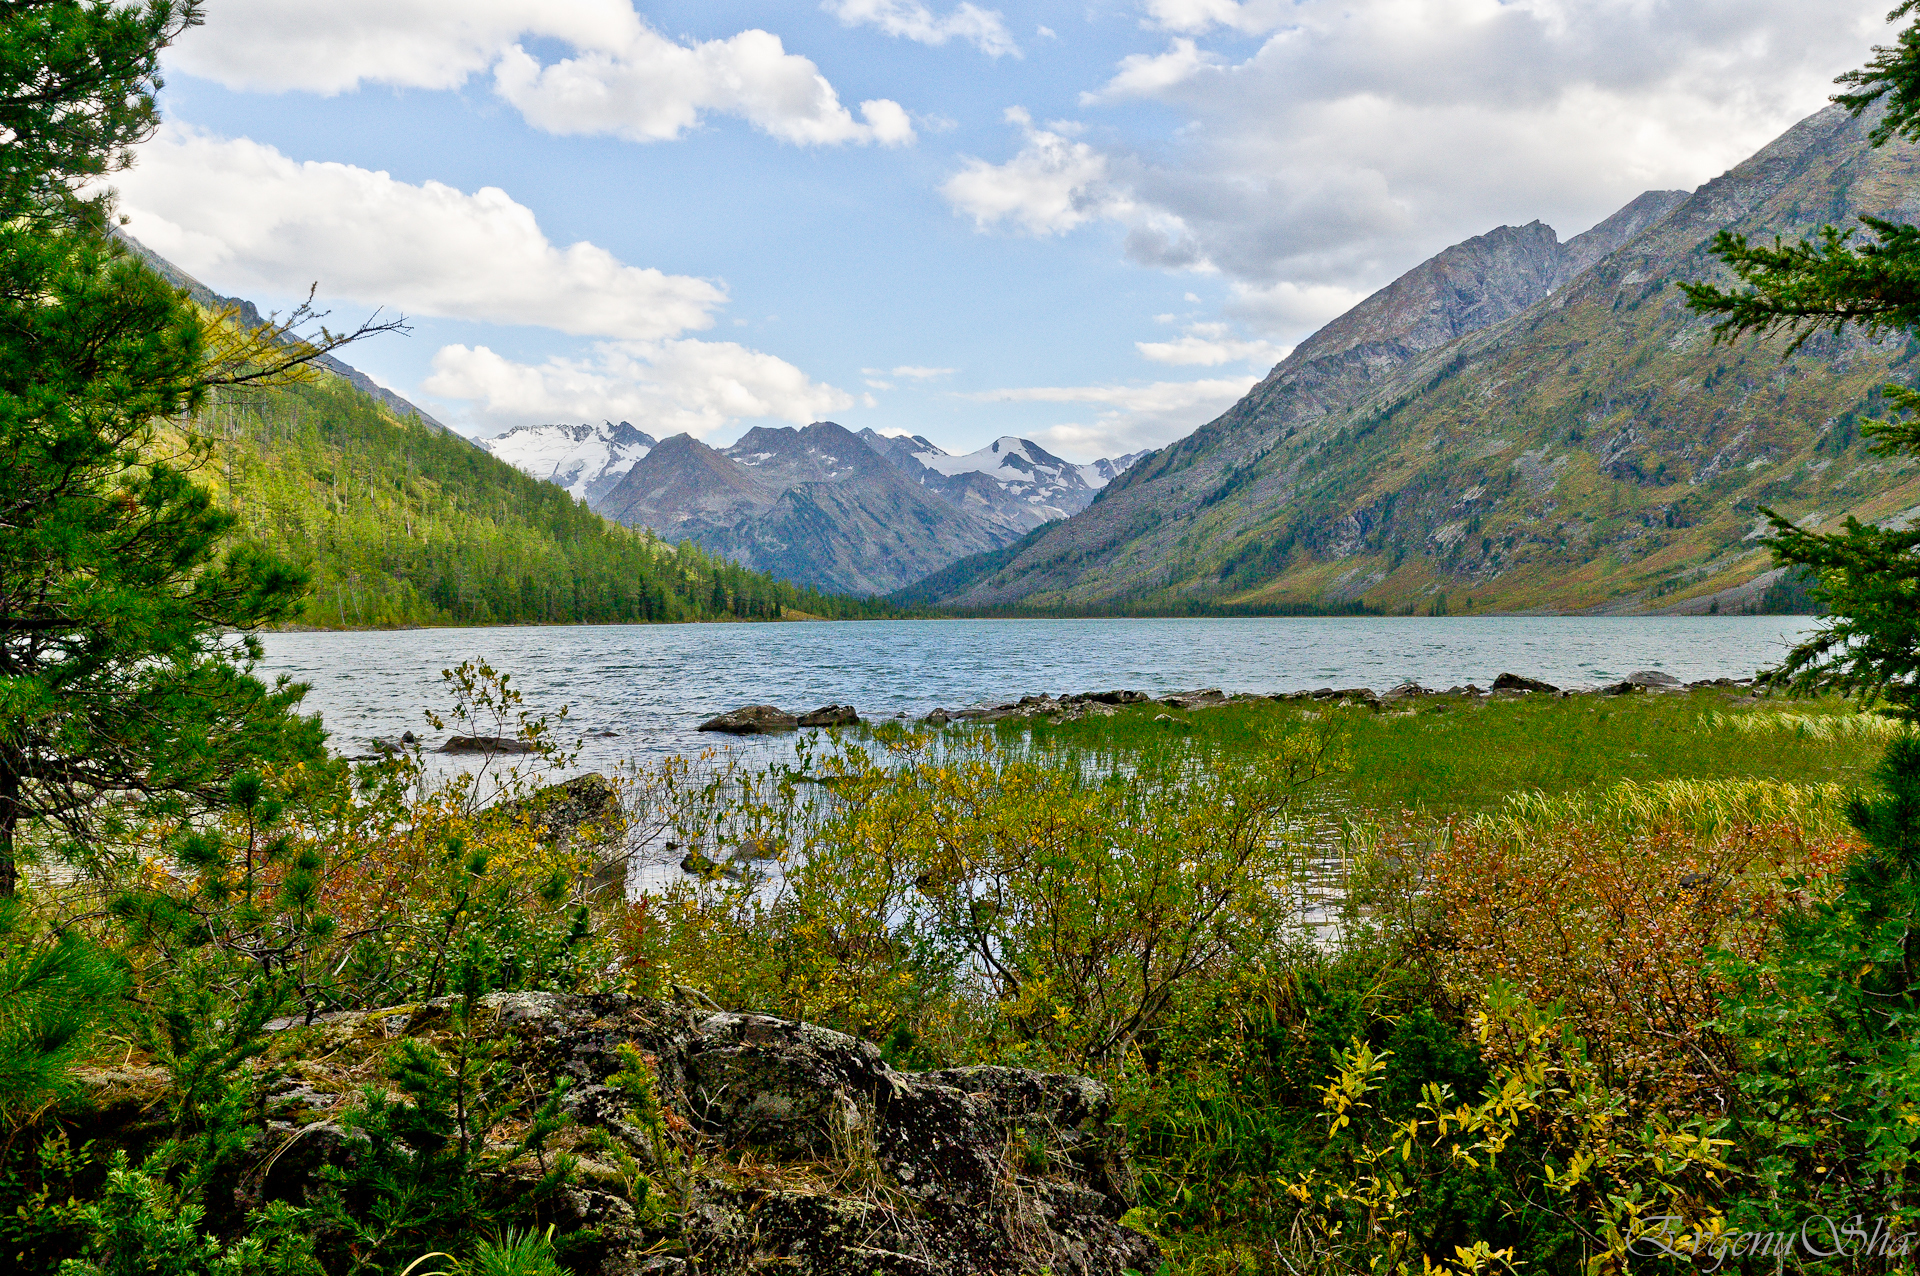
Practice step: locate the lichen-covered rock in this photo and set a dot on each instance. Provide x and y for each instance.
(788, 1147)
(831, 715)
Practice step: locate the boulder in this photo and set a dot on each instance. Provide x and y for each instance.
(487, 744)
(831, 715)
(1514, 682)
(1117, 697)
(802, 1150)
(753, 719)
(1654, 680)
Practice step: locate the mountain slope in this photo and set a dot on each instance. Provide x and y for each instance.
(813, 505)
(401, 523)
(1517, 424)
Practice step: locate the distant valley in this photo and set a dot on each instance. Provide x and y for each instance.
(863, 513)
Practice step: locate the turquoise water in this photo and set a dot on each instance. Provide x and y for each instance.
(651, 685)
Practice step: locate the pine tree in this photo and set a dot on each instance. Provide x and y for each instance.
(122, 689)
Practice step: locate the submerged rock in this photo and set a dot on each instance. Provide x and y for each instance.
(753, 719)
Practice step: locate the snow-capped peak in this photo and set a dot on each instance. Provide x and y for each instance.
(587, 460)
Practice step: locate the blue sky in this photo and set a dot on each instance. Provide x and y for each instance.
(1094, 224)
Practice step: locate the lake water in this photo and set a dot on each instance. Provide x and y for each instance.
(652, 685)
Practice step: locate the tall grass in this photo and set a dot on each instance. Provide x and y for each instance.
(1453, 757)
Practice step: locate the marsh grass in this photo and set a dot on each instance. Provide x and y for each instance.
(1459, 757)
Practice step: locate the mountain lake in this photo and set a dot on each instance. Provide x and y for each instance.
(640, 691)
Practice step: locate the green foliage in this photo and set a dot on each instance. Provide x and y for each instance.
(77, 80)
(119, 680)
(428, 1176)
(54, 994)
(142, 1227)
(1893, 76)
(1832, 1117)
(973, 902)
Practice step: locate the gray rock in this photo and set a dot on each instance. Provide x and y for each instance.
(485, 744)
(832, 715)
(753, 719)
(1514, 682)
(1653, 678)
(809, 1153)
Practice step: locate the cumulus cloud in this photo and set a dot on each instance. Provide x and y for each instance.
(1146, 74)
(664, 387)
(1052, 185)
(249, 219)
(651, 89)
(1208, 345)
(985, 29)
(1127, 417)
(624, 79)
(1361, 136)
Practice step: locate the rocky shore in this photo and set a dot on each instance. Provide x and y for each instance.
(764, 719)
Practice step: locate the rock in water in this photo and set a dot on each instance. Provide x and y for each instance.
(1514, 682)
(832, 715)
(809, 1153)
(1654, 679)
(484, 744)
(753, 719)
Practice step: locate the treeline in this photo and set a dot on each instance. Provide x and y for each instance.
(398, 524)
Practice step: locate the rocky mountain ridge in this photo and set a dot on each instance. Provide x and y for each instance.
(1516, 424)
(1012, 481)
(820, 505)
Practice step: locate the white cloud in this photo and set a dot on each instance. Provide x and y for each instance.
(1289, 307)
(249, 219)
(1052, 184)
(272, 46)
(652, 89)
(664, 387)
(1146, 74)
(921, 374)
(1365, 135)
(1200, 16)
(983, 28)
(625, 78)
(1129, 417)
(1208, 345)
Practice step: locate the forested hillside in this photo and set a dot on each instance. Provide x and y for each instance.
(399, 523)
